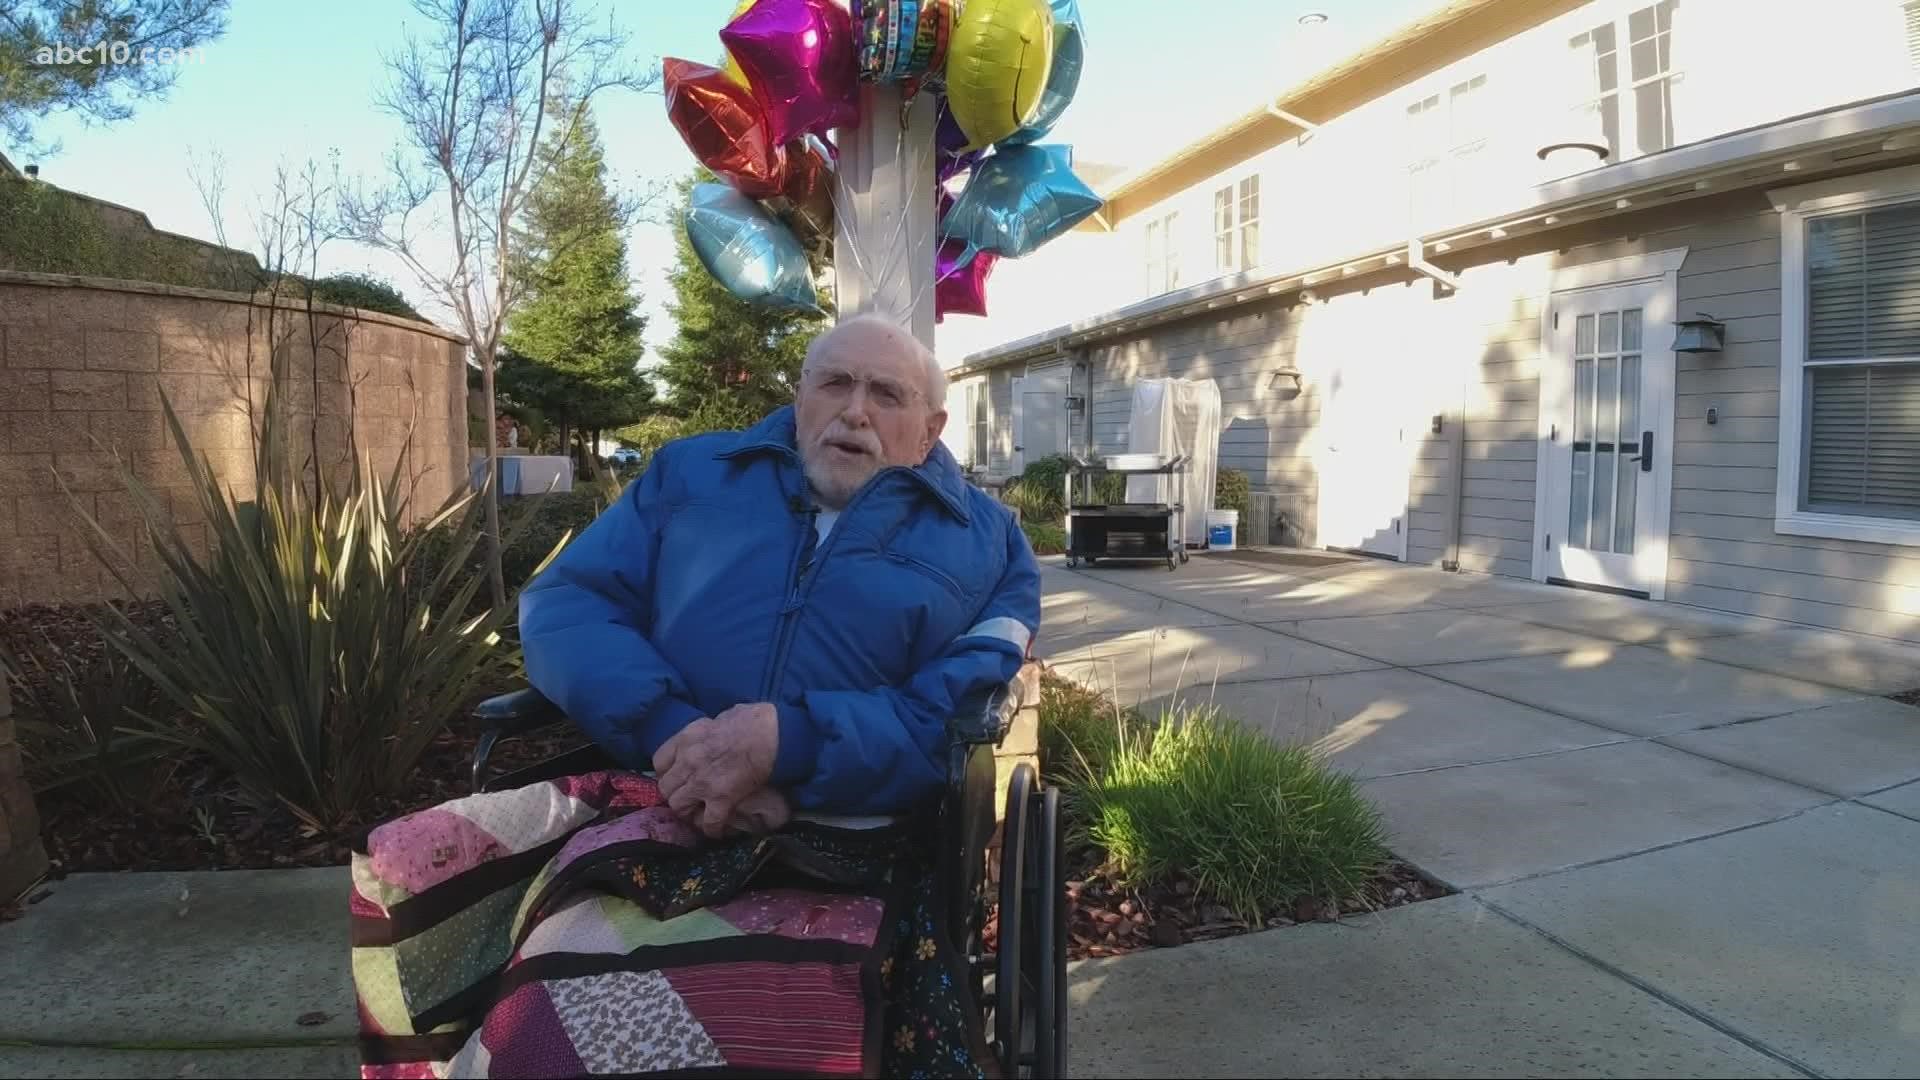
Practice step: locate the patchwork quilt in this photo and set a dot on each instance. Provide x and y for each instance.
(577, 928)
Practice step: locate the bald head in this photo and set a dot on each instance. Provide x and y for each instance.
(870, 396)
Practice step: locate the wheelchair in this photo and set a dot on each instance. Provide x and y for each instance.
(1020, 987)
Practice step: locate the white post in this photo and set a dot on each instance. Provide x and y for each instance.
(884, 243)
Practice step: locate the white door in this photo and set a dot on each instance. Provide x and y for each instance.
(1365, 458)
(1607, 408)
(1039, 417)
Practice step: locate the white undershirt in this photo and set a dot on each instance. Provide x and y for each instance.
(823, 525)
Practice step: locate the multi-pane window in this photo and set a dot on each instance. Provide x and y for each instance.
(1860, 447)
(1236, 226)
(1163, 254)
(1632, 108)
(1447, 136)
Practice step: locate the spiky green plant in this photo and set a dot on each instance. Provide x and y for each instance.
(304, 663)
(1256, 824)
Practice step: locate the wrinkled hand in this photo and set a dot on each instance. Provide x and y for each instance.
(762, 812)
(708, 769)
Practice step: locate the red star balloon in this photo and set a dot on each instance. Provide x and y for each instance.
(724, 127)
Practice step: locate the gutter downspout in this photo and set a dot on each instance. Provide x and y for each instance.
(1458, 492)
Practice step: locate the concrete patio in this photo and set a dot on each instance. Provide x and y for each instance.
(1688, 843)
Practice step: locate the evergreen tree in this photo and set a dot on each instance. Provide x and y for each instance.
(730, 362)
(573, 347)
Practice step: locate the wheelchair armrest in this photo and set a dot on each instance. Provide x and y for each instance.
(987, 717)
(506, 716)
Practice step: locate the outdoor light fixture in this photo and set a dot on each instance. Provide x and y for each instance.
(1075, 402)
(1704, 334)
(1288, 381)
(1313, 18)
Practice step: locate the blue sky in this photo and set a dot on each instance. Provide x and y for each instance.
(292, 81)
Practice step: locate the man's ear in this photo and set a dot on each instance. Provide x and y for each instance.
(936, 423)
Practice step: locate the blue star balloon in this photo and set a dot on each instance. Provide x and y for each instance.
(748, 250)
(1018, 200)
(1063, 79)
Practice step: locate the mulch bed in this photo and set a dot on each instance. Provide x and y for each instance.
(1108, 920)
(202, 823)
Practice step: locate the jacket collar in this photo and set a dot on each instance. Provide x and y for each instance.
(940, 474)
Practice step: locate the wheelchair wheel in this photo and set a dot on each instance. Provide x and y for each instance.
(1029, 1002)
(1048, 909)
(1011, 1001)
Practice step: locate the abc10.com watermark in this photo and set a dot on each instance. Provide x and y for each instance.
(117, 53)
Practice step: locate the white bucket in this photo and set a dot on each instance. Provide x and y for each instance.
(1223, 529)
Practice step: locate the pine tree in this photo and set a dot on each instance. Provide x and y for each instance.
(573, 348)
(730, 362)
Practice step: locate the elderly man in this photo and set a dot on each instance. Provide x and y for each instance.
(788, 616)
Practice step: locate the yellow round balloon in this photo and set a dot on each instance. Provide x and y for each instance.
(997, 66)
(733, 66)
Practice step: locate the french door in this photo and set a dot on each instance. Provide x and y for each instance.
(1607, 409)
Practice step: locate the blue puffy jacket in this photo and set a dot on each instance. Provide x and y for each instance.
(702, 589)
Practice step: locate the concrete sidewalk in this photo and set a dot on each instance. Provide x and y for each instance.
(1686, 841)
(1687, 844)
(241, 973)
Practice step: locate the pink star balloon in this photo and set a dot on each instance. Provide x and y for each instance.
(961, 291)
(799, 60)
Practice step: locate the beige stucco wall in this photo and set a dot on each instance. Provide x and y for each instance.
(83, 366)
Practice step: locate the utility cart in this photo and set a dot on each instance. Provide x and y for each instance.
(1124, 530)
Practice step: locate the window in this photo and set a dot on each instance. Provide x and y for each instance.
(982, 426)
(1163, 255)
(1447, 135)
(1850, 363)
(1236, 226)
(1633, 113)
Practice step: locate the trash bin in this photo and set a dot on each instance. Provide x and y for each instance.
(1223, 528)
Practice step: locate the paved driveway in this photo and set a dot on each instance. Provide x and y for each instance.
(1688, 842)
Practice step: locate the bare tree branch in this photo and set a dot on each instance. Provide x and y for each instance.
(472, 100)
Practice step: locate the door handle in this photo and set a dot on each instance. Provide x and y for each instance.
(1646, 451)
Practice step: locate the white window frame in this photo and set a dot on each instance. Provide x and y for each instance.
(1235, 231)
(1619, 14)
(1439, 149)
(1163, 273)
(1796, 205)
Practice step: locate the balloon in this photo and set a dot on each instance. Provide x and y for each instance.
(1019, 199)
(1069, 56)
(733, 66)
(997, 64)
(946, 168)
(806, 198)
(901, 40)
(798, 56)
(960, 288)
(723, 126)
(755, 257)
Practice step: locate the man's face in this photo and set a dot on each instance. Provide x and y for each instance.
(862, 406)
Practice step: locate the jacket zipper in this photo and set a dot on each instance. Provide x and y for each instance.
(802, 566)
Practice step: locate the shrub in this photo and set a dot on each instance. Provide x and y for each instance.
(80, 722)
(364, 292)
(1230, 491)
(310, 661)
(1079, 730)
(1039, 492)
(546, 523)
(1253, 823)
(1045, 539)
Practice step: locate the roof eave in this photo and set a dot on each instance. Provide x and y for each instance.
(1675, 175)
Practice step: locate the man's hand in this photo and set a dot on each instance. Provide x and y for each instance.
(712, 765)
(762, 812)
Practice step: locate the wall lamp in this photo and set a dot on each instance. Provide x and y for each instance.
(1704, 334)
